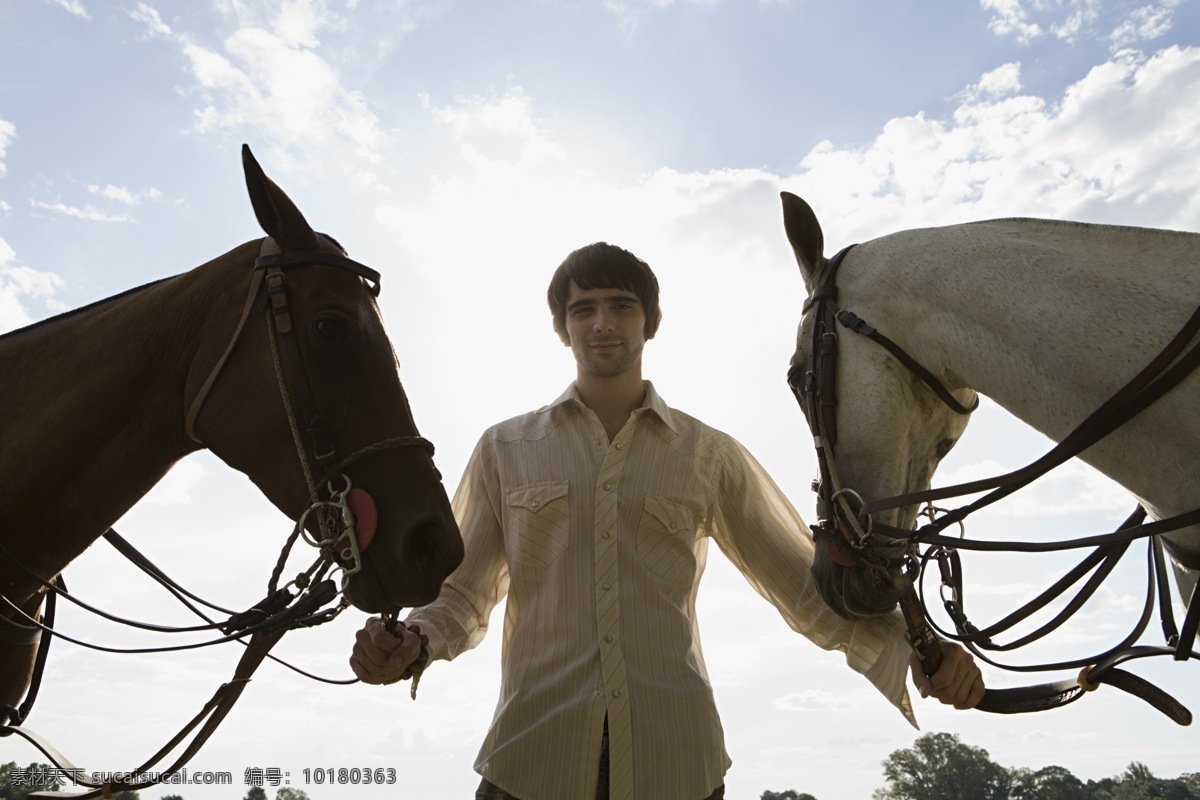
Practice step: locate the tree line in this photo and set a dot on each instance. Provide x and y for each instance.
(939, 766)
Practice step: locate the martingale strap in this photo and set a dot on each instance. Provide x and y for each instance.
(204, 723)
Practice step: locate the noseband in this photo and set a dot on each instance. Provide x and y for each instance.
(268, 291)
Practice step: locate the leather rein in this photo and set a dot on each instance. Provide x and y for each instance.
(855, 539)
(282, 609)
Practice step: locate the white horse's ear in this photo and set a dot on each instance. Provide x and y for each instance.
(804, 233)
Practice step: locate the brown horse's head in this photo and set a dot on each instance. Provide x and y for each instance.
(309, 395)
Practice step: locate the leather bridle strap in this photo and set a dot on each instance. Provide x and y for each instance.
(206, 722)
(198, 401)
(1149, 385)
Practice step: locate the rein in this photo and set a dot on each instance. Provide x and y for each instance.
(282, 610)
(894, 551)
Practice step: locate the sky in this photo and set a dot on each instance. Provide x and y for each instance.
(463, 149)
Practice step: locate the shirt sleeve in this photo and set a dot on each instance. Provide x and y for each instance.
(765, 538)
(458, 619)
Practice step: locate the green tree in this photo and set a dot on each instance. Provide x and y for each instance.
(256, 793)
(940, 767)
(790, 794)
(288, 793)
(1047, 783)
(171, 797)
(1139, 783)
(17, 783)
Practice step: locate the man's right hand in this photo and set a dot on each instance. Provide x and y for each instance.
(382, 657)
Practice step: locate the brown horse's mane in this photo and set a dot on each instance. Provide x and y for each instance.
(82, 309)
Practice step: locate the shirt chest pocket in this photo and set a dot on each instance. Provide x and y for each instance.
(538, 522)
(665, 539)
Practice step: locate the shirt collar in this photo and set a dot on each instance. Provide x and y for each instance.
(653, 403)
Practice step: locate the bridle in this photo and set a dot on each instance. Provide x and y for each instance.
(268, 290)
(855, 540)
(815, 388)
(282, 609)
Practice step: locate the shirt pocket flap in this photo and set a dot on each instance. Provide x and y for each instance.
(536, 496)
(673, 516)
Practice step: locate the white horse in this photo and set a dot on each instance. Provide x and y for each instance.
(1049, 319)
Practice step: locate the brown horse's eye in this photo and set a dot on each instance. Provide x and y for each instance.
(331, 328)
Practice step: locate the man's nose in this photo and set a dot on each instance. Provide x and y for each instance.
(602, 322)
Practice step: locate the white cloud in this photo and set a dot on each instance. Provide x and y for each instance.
(88, 213)
(1104, 153)
(19, 283)
(1010, 18)
(149, 17)
(1002, 81)
(501, 130)
(74, 7)
(269, 78)
(629, 13)
(1145, 24)
(8, 132)
(813, 700)
(122, 194)
(1064, 19)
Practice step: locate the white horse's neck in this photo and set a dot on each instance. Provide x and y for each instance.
(1049, 320)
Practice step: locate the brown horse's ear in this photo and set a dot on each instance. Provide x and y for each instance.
(804, 233)
(276, 212)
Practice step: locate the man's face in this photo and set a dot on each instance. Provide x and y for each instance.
(607, 329)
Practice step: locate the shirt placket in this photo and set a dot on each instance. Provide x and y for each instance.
(608, 617)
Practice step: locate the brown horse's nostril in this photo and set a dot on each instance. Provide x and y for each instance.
(430, 550)
(423, 546)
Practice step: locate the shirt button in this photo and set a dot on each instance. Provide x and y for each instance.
(604, 535)
(616, 692)
(606, 586)
(607, 487)
(596, 693)
(673, 526)
(534, 504)
(619, 446)
(608, 637)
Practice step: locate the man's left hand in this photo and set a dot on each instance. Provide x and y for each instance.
(958, 681)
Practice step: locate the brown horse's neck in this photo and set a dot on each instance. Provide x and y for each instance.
(95, 417)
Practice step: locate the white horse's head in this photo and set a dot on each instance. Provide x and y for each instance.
(888, 429)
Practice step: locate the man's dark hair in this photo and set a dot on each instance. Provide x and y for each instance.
(603, 266)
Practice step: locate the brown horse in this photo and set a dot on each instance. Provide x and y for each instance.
(98, 403)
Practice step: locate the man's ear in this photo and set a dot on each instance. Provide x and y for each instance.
(561, 331)
(654, 329)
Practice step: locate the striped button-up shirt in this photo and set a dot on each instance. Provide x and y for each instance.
(599, 547)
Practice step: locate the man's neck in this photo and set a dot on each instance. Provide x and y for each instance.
(613, 399)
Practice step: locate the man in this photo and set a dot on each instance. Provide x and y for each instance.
(593, 515)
